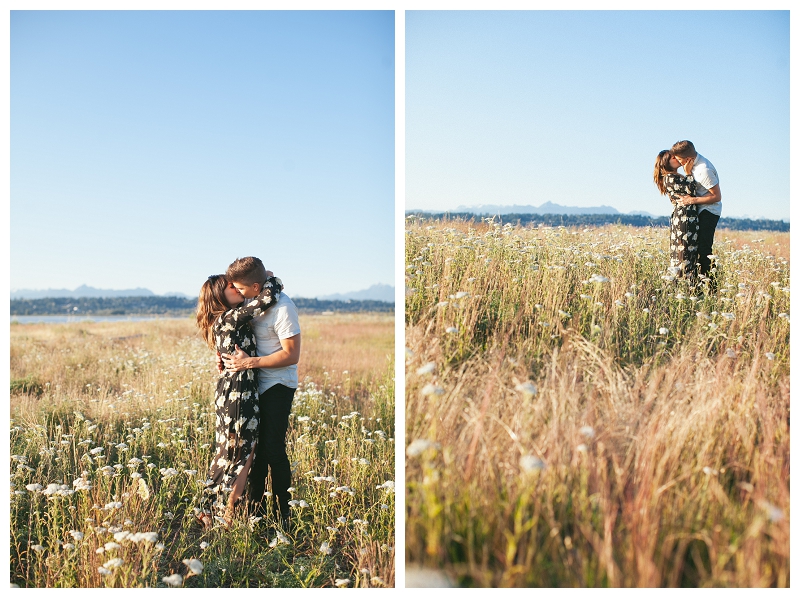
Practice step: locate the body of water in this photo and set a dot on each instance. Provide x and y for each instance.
(68, 319)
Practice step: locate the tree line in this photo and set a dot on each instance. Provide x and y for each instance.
(601, 219)
(165, 306)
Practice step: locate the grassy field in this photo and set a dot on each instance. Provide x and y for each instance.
(111, 437)
(574, 418)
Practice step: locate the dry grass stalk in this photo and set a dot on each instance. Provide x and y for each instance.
(643, 459)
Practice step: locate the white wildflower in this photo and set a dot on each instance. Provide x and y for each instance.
(419, 446)
(173, 580)
(195, 566)
(530, 463)
(432, 389)
(428, 368)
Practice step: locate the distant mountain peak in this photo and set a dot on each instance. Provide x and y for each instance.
(377, 292)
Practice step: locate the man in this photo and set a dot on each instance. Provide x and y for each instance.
(277, 333)
(708, 200)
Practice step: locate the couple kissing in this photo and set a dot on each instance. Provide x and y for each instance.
(254, 328)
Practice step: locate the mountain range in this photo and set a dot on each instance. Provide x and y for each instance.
(377, 292)
(86, 291)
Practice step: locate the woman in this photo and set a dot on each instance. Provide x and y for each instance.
(684, 224)
(223, 317)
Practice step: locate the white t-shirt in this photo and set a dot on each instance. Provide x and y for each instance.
(278, 322)
(705, 175)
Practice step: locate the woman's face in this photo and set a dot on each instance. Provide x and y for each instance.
(232, 296)
(674, 163)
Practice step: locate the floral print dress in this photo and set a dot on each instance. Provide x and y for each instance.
(236, 398)
(684, 225)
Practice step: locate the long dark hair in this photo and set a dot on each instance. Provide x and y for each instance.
(662, 168)
(210, 304)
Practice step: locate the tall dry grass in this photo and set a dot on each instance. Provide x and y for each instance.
(576, 420)
(112, 431)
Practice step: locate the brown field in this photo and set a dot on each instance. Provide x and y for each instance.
(145, 390)
(62, 355)
(625, 431)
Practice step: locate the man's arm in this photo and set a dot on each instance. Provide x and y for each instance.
(289, 354)
(714, 195)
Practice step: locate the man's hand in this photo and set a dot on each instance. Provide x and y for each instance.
(220, 365)
(288, 354)
(237, 361)
(713, 196)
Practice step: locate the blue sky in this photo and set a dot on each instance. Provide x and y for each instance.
(150, 149)
(572, 107)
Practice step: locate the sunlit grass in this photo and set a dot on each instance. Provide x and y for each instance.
(111, 437)
(575, 419)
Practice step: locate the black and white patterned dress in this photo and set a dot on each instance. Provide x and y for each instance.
(684, 225)
(236, 398)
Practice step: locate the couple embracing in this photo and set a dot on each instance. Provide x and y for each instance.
(697, 207)
(253, 326)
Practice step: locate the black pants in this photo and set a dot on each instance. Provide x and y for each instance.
(275, 405)
(705, 239)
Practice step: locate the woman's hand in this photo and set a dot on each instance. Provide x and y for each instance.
(237, 361)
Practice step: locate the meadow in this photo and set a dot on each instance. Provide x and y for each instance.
(111, 436)
(578, 417)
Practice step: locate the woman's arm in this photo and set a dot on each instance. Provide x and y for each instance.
(255, 306)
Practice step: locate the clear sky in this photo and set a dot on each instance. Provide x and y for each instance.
(150, 149)
(573, 107)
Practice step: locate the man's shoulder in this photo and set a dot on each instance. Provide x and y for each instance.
(285, 301)
(285, 308)
(703, 162)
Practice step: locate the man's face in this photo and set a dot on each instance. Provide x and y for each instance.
(681, 160)
(248, 291)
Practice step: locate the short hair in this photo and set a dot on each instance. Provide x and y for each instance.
(247, 270)
(684, 149)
